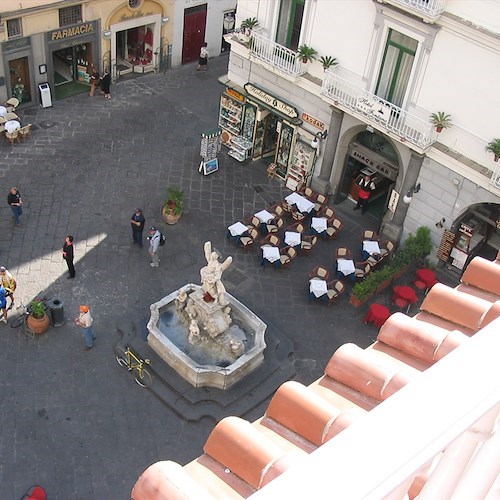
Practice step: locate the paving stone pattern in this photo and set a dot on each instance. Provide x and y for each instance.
(74, 421)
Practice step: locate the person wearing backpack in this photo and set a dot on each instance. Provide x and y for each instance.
(156, 239)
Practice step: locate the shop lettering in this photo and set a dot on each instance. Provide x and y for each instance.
(69, 32)
(125, 17)
(313, 121)
(271, 101)
(372, 108)
(363, 159)
(388, 171)
(465, 229)
(235, 94)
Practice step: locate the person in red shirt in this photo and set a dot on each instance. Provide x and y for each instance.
(366, 186)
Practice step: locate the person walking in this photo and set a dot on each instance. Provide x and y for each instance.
(9, 283)
(105, 84)
(68, 252)
(154, 245)
(203, 60)
(94, 79)
(137, 222)
(366, 186)
(3, 304)
(16, 204)
(85, 321)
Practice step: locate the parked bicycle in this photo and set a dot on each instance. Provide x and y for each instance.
(129, 359)
(24, 311)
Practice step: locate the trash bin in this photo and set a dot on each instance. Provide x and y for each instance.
(45, 97)
(56, 311)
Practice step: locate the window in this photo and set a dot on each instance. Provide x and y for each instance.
(70, 15)
(134, 4)
(396, 67)
(290, 23)
(14, 27)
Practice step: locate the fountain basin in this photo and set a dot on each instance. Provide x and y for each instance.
(165, 337)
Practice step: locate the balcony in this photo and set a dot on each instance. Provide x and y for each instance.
(383, 115)
(428, 10)
(272, 55)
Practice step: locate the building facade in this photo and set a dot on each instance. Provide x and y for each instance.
(370, 114)
(58, 41)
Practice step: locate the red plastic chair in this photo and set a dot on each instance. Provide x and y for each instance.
(35, 492)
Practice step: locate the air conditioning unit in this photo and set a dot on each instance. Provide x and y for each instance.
(226, 138)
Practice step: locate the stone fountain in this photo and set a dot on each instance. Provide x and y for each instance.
(204, 333)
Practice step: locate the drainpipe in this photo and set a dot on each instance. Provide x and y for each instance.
(321, 184)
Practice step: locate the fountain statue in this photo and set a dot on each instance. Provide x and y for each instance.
(204, 333)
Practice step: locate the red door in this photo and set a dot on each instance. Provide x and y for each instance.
(194, 32)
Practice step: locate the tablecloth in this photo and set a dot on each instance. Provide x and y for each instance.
(272, 254)
(264, 216)
(292, 238)
(319, 224)
(318, 287)
(406, 292)
(303, 204)
(371, 247)
(427, 276)
(377, 314)
(12, 125)
(237, 229)
(3, 110)
(345, 266)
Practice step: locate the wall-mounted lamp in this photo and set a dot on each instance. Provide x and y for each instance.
(369, 128)
(319, 136)
(440, 224)
(165, 20)
(408, 196)
(106, 34)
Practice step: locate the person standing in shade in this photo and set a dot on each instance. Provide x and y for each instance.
(3, 304)
(9, 283)
(366, 186)
(68, 252)
(94, 79)
(137, 222)
(203, 60)
(85, 321)
(105, 84)
(16, 204)
(154, 245)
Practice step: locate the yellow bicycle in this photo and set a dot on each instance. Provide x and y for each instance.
(130, 360)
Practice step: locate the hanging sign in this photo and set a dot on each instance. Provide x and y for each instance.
(271, 100)
(465, 229)
(446, 245)
(393, 201)
(313, 121)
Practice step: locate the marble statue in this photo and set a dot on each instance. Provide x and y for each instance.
(211, 275)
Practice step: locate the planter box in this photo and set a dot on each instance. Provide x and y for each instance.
(354, 301)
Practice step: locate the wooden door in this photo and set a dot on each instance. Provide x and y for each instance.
(194, 33)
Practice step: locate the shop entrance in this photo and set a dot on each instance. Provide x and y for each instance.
(71, 70)
(20, 79)
(266, 136)
(195, 20)
(369, 154)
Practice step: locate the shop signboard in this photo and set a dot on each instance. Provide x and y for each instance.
(465, 229)
(393, 201)
(313, 121)
(373, 109)
(271, 101)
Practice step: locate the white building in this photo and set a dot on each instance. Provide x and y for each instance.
(399, 61)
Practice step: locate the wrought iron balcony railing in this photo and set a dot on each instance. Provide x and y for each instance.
(429, 10)
(279, 57)
(379, 112)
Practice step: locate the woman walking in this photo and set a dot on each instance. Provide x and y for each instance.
(105, 84)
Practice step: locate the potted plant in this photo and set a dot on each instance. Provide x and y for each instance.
(440, 120)
(328, 61)
(38, 322)
(306, 53)
(173, 207)
(494, 147)
(248, 24)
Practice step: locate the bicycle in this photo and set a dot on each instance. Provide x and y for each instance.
(127, 358)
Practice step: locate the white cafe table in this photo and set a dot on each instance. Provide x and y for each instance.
(12, 125)
(303, 204)
(319, 224)
(237, 229)
(371, 247)
(318, 287)
(3, 110)
(345, 266)
(264, 216)
(272, 254)
(292, 238)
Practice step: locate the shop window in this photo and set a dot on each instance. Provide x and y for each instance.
(70, 15)
(396, 67)
(14, 27)
(290, 23)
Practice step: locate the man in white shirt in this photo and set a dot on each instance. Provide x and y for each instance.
(85, 321)
(154, 244)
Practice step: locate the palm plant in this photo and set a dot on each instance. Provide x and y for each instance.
(440, 120)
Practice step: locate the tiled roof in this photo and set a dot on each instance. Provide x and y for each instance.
(240, 457)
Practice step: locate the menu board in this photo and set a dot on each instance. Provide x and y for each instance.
(446, 245)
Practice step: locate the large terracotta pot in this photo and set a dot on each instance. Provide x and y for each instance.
(38, 326)
(170, 218)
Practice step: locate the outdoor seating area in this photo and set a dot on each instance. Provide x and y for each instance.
(10, 123)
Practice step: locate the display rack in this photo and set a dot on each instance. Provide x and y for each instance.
(301, 165)
(230, 114)
(241, 148)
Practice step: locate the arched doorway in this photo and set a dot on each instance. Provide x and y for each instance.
(370, 153)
